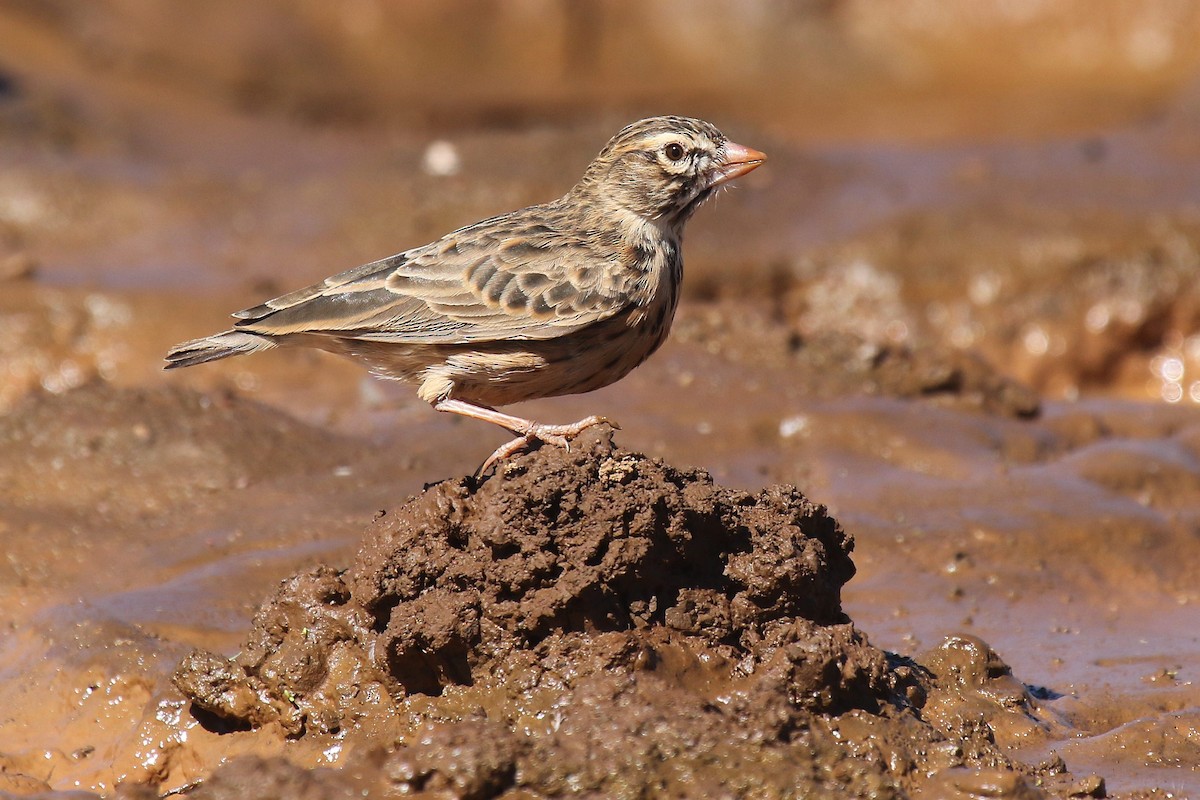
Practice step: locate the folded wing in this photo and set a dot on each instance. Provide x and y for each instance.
(483, 283)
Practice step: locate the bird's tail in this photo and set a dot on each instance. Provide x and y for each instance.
(221, 345)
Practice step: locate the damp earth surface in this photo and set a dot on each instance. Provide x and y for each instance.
(907, 506)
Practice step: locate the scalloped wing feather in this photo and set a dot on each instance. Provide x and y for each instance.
(494, 280)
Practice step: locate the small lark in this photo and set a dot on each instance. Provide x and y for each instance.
(553, 299)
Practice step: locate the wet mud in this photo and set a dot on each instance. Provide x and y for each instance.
(907, 506)
(597, 622)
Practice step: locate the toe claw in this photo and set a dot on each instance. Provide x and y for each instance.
(502, 452)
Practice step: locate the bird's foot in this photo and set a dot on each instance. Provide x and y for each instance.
(559, 435)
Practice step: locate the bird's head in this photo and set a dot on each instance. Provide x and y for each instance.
(664, 168)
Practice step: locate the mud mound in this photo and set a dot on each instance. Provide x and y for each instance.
(961, 379)
(598, 622)
(835, 356)
(1063, 301)
(100, 446)
(593, 541)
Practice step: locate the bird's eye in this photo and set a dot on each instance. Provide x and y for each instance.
(673, 151)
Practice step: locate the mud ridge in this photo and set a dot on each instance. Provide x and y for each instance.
(599, 622)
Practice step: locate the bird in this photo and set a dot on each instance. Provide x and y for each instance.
(559, 298)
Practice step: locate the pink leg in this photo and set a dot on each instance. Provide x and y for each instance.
(527, 430)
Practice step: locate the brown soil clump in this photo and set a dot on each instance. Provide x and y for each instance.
(596, 622)
(98, 448)
(827, 362)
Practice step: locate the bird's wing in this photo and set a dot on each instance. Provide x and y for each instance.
(483, 283)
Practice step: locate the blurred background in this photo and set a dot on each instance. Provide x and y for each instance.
(1016, 179)
(810, 69)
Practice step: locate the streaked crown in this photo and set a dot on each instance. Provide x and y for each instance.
(660, 168)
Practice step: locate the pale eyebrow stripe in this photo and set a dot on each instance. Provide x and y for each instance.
(665, 138)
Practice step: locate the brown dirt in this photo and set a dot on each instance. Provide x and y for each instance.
(597, 622)
(958, 309)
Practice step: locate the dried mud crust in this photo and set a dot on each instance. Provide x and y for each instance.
(829, 362)
(1058, 300)
(596, 622)
(104, 449)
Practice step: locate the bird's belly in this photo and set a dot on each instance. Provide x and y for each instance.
(500, 373)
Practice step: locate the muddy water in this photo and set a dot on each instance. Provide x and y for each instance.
(981, 353)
